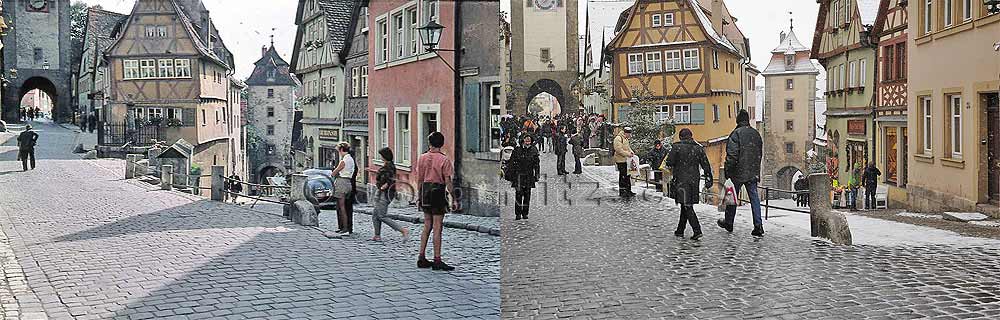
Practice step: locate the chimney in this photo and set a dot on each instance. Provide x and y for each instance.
(717, 16)
(782, 37)
(206, 28)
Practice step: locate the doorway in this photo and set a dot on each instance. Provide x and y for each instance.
(993, 158)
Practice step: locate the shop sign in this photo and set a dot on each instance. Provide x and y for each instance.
(329, 134)
(857, 127)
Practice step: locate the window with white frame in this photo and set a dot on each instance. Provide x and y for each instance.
(715, 113)
(657, 20)
(673, 60)
(175, 114)
(682, 113)
(364, 81)
(852, 78)
(668, 19)
(147, 68)
(428, 123)
(634, 63)
(715, 59)
(431, 10)
(182, 68)
(836, 17)
(356, 82)
(402, 134)
(381, 129)
(154, 113)
(928, 13)
(495, 136)
(843, 76)
(139, 113)
(322, 86)
(131, 69)
(166, 68)
(862, 72)
(847, 12)
(662, 113)
(156, 31)
(363, 19)
(654, 62)
(955, 116)
(414, 38)
(691, 59)
(382, 46)
(966, 10)
(925, 106)
(948, 13)
(398, 36)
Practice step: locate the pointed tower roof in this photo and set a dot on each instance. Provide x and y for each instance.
(271, 70)
(790, 44)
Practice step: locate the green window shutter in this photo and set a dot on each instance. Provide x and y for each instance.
(698, 113)
(188, 117)
(472, 121)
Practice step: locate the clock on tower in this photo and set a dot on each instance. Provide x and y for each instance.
(38, 5)
(546, 4)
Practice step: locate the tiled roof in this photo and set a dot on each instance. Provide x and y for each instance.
(791, 43)
(709, 30)
(190, 11)
(338, 15)
(271, 61)
(101, 25)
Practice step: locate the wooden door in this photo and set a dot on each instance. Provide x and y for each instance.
(993, 157)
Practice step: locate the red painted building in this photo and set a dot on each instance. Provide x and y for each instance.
(411, 89)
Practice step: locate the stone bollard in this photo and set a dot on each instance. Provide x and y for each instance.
(823, 221)
(130, 166)
(167, 177)
(296, 194)
(305, 213)
(218, 183)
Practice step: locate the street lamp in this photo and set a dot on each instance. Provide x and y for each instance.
(993, 6)
(45, 64)
(430, 35)
(13, 73)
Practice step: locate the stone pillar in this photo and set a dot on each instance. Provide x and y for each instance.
(130, 166)
(823, 221)
(218, 183)
(298, 184)
(167, 177)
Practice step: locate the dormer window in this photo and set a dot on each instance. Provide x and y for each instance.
(789, 62)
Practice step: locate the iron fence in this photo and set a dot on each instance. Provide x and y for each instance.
(136, 135)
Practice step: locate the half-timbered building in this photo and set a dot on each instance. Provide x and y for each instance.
(102, 29)
(890, 34)
(318, 59)
(169, 66)
(842, 45)
(675, 55)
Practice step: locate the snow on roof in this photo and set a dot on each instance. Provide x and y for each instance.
(777, 66)
(790, 43)
(868, 10)
(709, 30)
(603, 17)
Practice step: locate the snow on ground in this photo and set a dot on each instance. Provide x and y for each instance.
(864, 230)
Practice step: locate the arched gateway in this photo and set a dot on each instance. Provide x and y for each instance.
(36, 55)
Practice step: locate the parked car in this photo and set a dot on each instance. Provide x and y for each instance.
(3, 126)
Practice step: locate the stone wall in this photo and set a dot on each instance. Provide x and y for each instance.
(926, 200)
(283, 104)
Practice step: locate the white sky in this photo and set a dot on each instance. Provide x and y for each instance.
(245, 26)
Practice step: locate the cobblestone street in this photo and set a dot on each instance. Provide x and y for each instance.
(592, 256)
(79, 242)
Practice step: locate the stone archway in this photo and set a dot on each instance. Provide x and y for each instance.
(45, 86)
(784, 179)
(550, 87)
(267, 170)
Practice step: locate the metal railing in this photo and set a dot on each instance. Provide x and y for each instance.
(270, 191)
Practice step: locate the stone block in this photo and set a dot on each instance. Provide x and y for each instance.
(90, 155)
(79, 148)
(964, 216)
(824, 222)
(304, 213)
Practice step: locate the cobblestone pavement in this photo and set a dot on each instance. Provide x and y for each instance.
(92, 245)
(617, 260)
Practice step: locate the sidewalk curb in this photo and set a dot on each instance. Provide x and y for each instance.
(447, 224)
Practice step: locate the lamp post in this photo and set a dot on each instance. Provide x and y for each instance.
(430, 35)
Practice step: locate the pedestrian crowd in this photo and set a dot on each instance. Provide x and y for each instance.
(30, 113)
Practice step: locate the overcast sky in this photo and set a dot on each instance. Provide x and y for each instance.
(245, 26)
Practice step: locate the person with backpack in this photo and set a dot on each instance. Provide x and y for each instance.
(26, 147)
(433, 176)
(385, 185)
(523, 171)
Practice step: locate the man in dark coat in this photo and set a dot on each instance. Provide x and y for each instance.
(523, 171)
(655, 159)
(801, 185)
(26, 147)
(870, 179)
(559, 146)
(92, 123)
(577, 142)
(688, 160)
(743, 156)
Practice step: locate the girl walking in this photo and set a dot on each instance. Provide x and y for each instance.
(385, 181)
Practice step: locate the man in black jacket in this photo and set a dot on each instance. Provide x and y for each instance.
(655, 159)
(870, 179)
(26, 147)
(559, 146)
(743, 156)
(688, 160)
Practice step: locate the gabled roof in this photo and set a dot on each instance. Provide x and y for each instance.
(218, 54)
(271, 70)
(341, 18)
(699, 12)
(102, 29)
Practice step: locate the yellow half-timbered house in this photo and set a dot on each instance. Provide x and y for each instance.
(675, 54)
(170, 65)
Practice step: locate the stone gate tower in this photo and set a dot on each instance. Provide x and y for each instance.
(37, 55)
(545, 52)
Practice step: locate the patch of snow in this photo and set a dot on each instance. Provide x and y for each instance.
(993, 224)
(918, 215)
(964, 216)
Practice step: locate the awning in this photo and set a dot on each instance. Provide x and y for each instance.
(356, 129)
(892, 118)
(847, 112)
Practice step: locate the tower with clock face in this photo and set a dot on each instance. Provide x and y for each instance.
(544, 53)
(37, 55)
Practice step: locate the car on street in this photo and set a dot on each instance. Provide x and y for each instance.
(319, 187)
